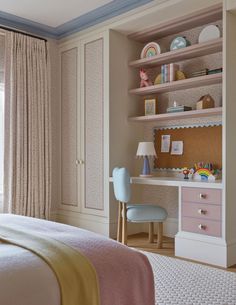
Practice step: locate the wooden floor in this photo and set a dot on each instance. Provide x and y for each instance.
(140, 241)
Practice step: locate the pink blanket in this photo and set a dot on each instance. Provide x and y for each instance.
(125, 276)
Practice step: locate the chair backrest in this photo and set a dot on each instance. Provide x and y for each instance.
(121, 183)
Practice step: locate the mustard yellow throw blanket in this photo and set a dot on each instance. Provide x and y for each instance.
(76, 276)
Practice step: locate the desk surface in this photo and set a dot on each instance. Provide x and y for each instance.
(174, 181)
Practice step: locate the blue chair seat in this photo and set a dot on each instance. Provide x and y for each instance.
(145, 213)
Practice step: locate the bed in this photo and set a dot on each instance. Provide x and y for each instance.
(124, 276)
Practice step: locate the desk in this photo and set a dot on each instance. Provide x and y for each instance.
(178, 182)
(200, 222)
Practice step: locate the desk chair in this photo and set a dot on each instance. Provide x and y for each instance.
(139, 213)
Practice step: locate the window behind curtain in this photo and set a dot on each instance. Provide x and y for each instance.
(2, 51)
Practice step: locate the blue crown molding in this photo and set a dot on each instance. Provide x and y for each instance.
(12, 21)
(103, 13)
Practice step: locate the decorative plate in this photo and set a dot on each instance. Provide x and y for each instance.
(151, 49)
(179, 43)
(210, 32)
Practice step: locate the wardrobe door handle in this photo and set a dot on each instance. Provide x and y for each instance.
(79, 162)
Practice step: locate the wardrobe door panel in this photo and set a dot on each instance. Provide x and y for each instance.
(94, 127)
(68, 127)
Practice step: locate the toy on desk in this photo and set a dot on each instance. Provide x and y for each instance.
(186, 172)
(205, 172)
(145, 82)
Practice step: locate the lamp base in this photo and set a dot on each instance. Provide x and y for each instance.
(145, 176)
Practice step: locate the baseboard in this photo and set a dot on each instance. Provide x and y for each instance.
(213, 253)
(96, 224)
(132, 228)
(102, 225)
(170, 228)
(231, 254)
(53, 215)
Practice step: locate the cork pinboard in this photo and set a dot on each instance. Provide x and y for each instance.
(201, 144)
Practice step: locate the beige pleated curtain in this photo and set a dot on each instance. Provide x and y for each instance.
(27, 144)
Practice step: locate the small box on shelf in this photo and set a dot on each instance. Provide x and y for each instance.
(150, 106)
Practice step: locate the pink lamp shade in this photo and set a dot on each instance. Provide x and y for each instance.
(145, 150)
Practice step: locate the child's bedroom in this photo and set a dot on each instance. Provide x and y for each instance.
(117, 152)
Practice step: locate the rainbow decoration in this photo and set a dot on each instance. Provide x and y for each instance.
(151, 49)
(204, 174)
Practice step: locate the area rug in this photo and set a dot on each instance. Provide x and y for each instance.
(178, 282)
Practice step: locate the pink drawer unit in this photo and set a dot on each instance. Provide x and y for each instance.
(201, 195)
(206, 227)
(201, 211)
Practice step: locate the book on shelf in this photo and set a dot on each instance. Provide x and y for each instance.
(200, 73)
(206, 72)
(180, 108)
(168, 73)
(214, 71)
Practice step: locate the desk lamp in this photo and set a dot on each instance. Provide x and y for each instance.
(146, 150)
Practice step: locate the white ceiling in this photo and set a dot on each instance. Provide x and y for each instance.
(50, 12)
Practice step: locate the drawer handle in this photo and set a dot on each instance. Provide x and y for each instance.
(201, 212)
(201, 227)
(202, 196)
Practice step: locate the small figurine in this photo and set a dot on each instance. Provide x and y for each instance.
(145, 82)
(186, 172)
(175, 104)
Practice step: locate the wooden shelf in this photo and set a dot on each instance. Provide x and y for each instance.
(196, 50)
(188, 83)
(178, 115)
(198, 18)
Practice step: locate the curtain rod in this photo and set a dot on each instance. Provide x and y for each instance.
(20, 32)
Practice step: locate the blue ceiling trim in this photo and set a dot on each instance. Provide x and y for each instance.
(26, 25)
(105, 12)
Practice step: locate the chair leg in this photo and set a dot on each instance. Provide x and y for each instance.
(124, 224)
(151, 229)
(160, 235)
(119, 226)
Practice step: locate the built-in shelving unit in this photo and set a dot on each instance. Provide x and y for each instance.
(179, 115)
(189, 83)
(196, 50)
(179, 24)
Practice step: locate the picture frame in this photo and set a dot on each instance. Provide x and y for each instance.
(150, 106)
